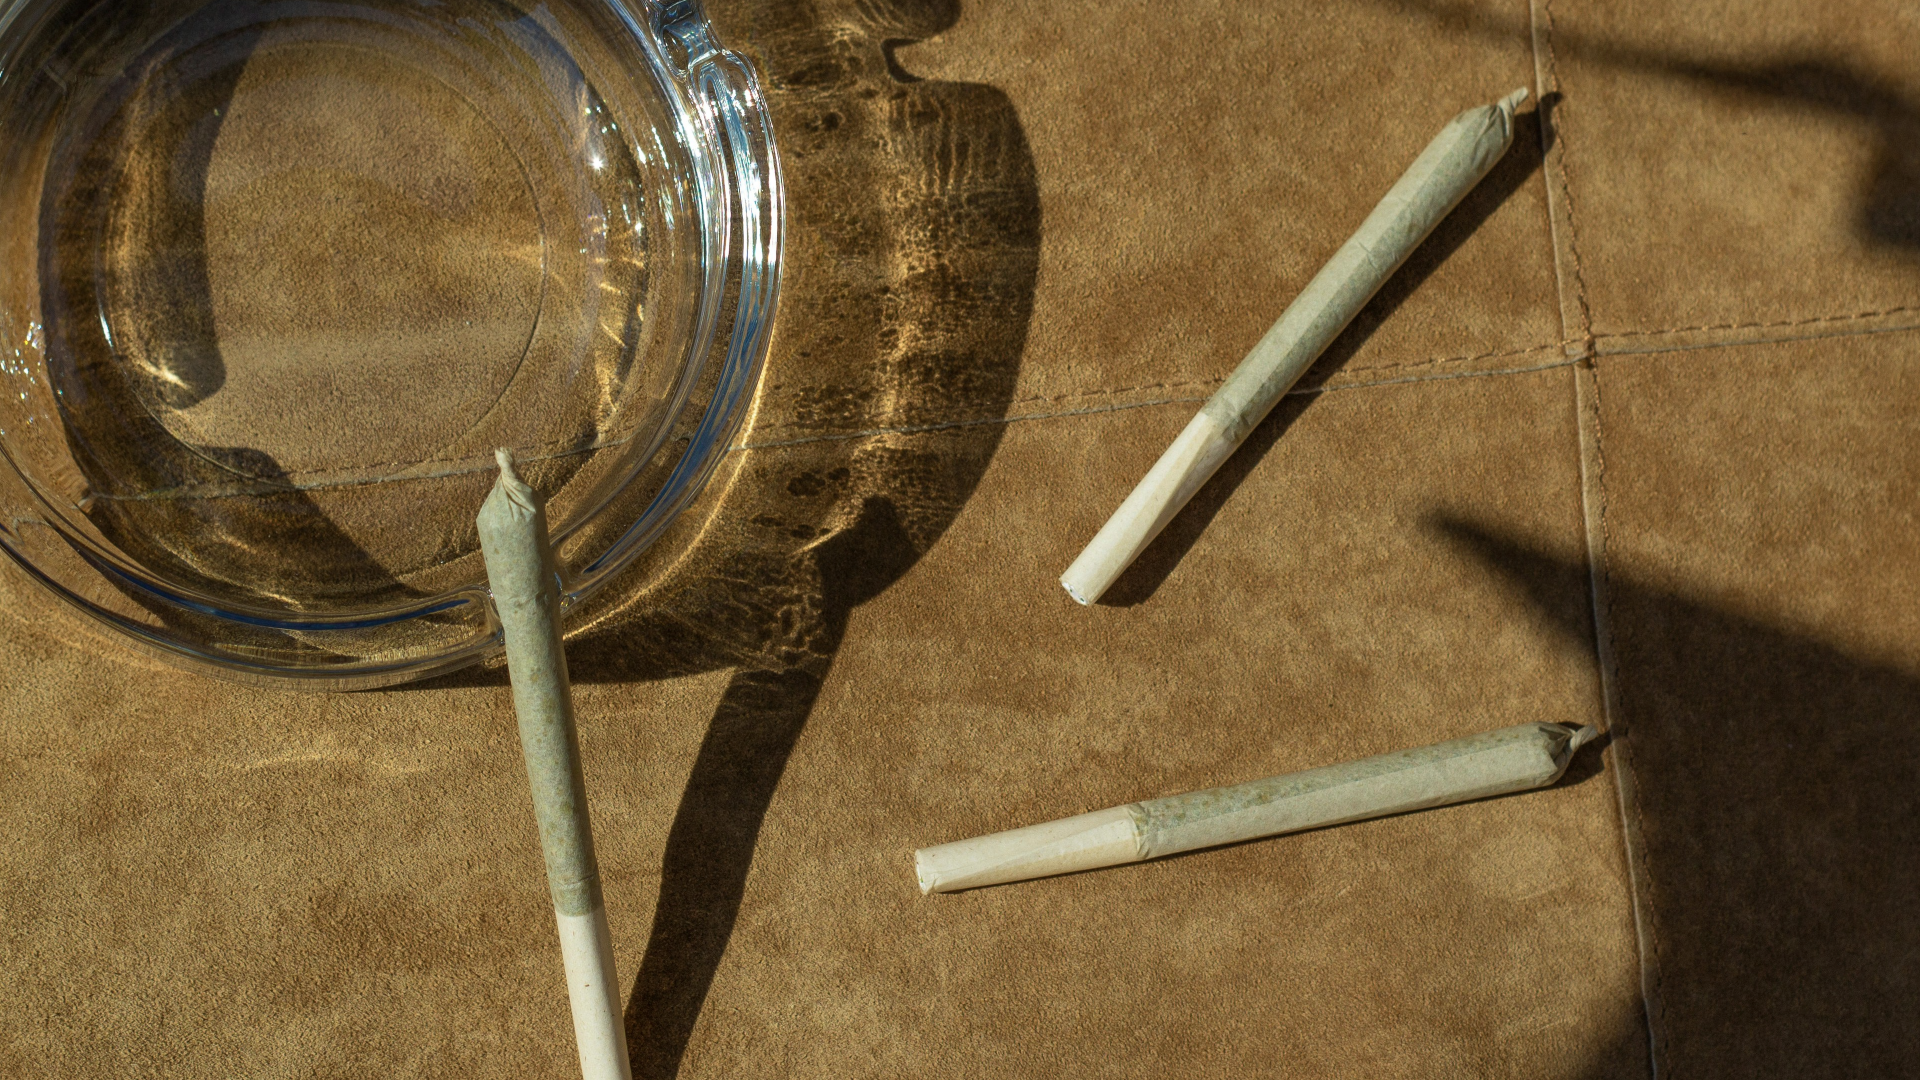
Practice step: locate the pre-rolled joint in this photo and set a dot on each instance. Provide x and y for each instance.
(1491, 763)
(512, 526)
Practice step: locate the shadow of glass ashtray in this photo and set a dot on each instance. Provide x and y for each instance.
(276, 278)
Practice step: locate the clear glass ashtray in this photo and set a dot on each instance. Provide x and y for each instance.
(278, 276)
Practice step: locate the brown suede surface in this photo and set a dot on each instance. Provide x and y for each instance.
(1579, 462)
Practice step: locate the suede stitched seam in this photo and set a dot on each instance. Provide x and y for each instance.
(1640, 891)
(1080, 395)
(1811, 320)
(1654, 936)
(975, 421)
(440, 468)
(949, 425)
(560, 448)
(1465, 359)
(1116, 392)
(1566, 195)
(978, 421)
